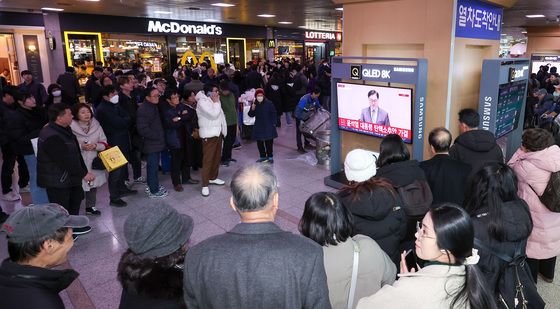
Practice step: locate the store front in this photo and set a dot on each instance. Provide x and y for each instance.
(23, 46)
(320, 45)
(159, 45)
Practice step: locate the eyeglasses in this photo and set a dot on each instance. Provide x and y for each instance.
(421, 232)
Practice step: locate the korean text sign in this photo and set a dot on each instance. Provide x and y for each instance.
(478, 20)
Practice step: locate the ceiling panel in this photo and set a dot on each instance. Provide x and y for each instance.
(515, 16)
(312, 14)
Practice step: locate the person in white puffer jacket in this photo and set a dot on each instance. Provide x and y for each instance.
(212, 130)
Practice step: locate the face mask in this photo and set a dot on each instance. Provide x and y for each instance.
(57, 93)
(260, 99)
(140, 70)
(114, 99)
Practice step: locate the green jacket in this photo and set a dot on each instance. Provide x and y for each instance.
(228, 106)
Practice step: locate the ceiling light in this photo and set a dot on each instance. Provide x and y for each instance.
(535, 16)
(162, 12)
(524, 32)
(223, 5)
(210, 20)
(339, 9)
(52, 9)
(285, 22)
(302, 27)
(266, 15)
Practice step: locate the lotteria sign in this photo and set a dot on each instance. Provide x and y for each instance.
(175, 27)
(316, 35)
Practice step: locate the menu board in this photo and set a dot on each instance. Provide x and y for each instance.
(510, 102)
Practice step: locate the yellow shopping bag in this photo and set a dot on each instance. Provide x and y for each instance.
(112, 158)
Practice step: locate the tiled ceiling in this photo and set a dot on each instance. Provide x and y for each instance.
(516, 16)
(311, 14)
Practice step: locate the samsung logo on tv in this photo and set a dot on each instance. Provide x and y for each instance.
(174, 27)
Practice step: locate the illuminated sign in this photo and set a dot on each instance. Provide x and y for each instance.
(316, 35)
(174, 27)
(478, 20)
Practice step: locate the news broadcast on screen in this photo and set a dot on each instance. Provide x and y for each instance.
(376, 111)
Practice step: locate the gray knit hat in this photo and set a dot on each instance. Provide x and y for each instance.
(157, 230)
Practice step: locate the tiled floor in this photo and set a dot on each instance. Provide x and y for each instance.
(95, 255)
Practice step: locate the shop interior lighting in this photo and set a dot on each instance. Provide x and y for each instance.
(339, 9)
(210, 20)
(52, 9)
(162, 12)
(285, 22)
(524, 32)
(223, 5)
(535, 16)
(266, 15)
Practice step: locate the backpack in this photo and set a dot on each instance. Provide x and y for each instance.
(551, 195)
(416, 198)
(516, 288)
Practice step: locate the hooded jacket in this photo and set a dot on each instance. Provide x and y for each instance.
(476, 148)
(517, 227)
(211, 118)
(533, 171)
(377, 214)
(23, 286)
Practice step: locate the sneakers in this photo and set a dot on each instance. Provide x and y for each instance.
(117, 203)
(224, 163)
(140, 179)
(205, 191)
(236, 146)
(129, 184)
(147, 191)
(301, 150)
(270, 160)
(160, 193)
(92, 211)
(262, 160)
(217, 181)
(10, 197)
(81, 230)
(25, 189)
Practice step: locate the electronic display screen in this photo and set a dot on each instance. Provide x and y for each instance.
(510, 102)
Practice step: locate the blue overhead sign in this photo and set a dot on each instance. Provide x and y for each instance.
(478, 20)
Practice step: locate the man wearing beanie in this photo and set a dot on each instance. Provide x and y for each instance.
(39, 238)
(256, 264)
(151, 270)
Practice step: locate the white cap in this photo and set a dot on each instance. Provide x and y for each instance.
(360, 165)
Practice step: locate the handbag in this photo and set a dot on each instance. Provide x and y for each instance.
(112, 158)
(353, 281)
(551, 195)
(97, 164)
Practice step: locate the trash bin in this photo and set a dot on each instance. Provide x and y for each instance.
(323, 147)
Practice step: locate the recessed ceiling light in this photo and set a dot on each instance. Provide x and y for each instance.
(524, 32)
(339, 9)
(535, 16)
(162, 12)
(266, 15)
(285, 22)
(52, 9)
(302, 27)
(223, 5)
(211, 20)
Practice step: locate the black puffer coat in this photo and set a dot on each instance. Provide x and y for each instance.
(476, 147)
(22, 125)
(377, 214)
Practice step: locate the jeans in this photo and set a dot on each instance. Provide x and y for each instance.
(9, 159)
(38, 194)
(288, 117)
(152, 163)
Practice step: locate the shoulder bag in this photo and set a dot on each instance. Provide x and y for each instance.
(354, 279)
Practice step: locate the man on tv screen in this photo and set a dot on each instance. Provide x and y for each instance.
(374, 113)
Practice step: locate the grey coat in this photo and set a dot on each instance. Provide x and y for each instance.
(256, 265)
(150, 128)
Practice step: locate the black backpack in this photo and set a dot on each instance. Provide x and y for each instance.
(516, 288)
(416, 198)
(551, 195)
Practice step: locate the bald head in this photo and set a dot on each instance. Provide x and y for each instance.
(440, 139)
(253, 187)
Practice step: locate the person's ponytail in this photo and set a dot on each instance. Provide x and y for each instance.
(474, 291)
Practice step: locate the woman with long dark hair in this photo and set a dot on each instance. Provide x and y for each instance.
(373, 203)
(327, 222)
(535, 162)
(501, 219)
(451, 279)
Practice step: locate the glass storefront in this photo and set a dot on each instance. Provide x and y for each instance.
(120, 51)
(289, 49)
(8, 59)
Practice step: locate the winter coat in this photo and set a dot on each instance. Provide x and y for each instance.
(374, 270)
(377, 214)
(24, 286)
(290, 96)
(427, 288)
(95, 135)
(324, 82)
(533, 171)
(229, 107)
(447, 178)
(59, 160)
(517, 228)
(273, 91)
(116, 122)
(476, 148)
(150, 128)
(211, 118)
(70, 85)
(92, 91)
(176, 132)
(265, 121)
(37, 90)
(545, 105)
(22, 125)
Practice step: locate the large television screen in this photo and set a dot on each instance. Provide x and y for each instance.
(548, 60)
(375, 110)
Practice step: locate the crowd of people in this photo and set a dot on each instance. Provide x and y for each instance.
(463, 229)
(543, 102)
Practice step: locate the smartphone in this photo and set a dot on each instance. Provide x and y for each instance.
(411, 260)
